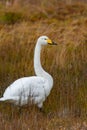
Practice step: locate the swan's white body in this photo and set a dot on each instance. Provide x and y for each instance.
(33, 89)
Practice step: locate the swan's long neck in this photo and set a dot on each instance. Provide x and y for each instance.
(39, 71)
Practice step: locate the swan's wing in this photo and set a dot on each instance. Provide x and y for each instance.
(28, 86)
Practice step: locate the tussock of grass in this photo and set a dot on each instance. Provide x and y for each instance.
(10, 17)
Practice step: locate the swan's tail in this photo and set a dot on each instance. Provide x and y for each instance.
(9, 99)
(2, 99)
(5, 99)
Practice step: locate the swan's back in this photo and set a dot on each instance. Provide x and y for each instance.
(24, 84)
(33, 87)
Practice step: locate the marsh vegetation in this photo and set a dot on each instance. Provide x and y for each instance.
(20, 26)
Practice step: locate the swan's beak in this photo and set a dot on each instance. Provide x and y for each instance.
(50, 42)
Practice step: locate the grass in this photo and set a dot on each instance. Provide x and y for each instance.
(67, 63)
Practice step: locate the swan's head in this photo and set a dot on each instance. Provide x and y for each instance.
(44, 40)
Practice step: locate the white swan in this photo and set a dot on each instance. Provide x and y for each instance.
(33, 89)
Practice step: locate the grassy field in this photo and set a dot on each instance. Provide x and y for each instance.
(20, 26)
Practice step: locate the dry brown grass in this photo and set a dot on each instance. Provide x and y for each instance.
(67, 63)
